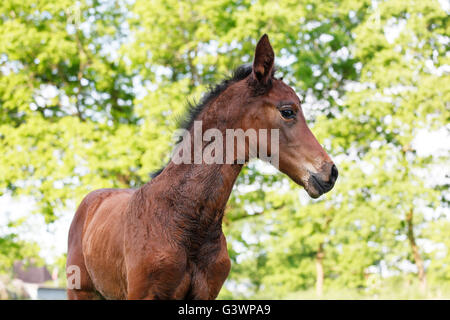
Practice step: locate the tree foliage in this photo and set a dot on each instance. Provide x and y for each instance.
(90, 92)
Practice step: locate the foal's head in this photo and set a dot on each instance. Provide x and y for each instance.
(262, 102)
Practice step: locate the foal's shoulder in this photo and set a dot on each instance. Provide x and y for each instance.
(102, 194)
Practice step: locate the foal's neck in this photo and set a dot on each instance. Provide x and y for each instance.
(200, 192)
(195, 197)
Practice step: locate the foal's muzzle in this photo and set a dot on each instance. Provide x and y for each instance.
(322, 182)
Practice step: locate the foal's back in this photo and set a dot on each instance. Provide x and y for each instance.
(96, 244)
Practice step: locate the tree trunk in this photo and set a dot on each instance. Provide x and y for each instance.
(415, 250)
(319, 270)
(320, 255)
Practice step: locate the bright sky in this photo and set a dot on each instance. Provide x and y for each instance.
(51, 238)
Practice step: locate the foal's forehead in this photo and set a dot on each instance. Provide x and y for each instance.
(282, 90)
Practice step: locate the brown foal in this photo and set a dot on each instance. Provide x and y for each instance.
(164, 240)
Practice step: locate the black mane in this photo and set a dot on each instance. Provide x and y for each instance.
(193, 110)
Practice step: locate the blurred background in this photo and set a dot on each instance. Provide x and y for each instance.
(90, 91)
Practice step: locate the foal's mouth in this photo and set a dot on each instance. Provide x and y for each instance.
(316, 186)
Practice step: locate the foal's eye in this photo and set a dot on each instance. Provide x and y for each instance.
(287, 113)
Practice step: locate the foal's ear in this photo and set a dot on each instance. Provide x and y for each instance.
(264, 59)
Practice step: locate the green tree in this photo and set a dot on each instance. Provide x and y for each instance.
(65, 106)
(90, 93)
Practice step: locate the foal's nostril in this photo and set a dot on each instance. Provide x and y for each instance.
(334, 174)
